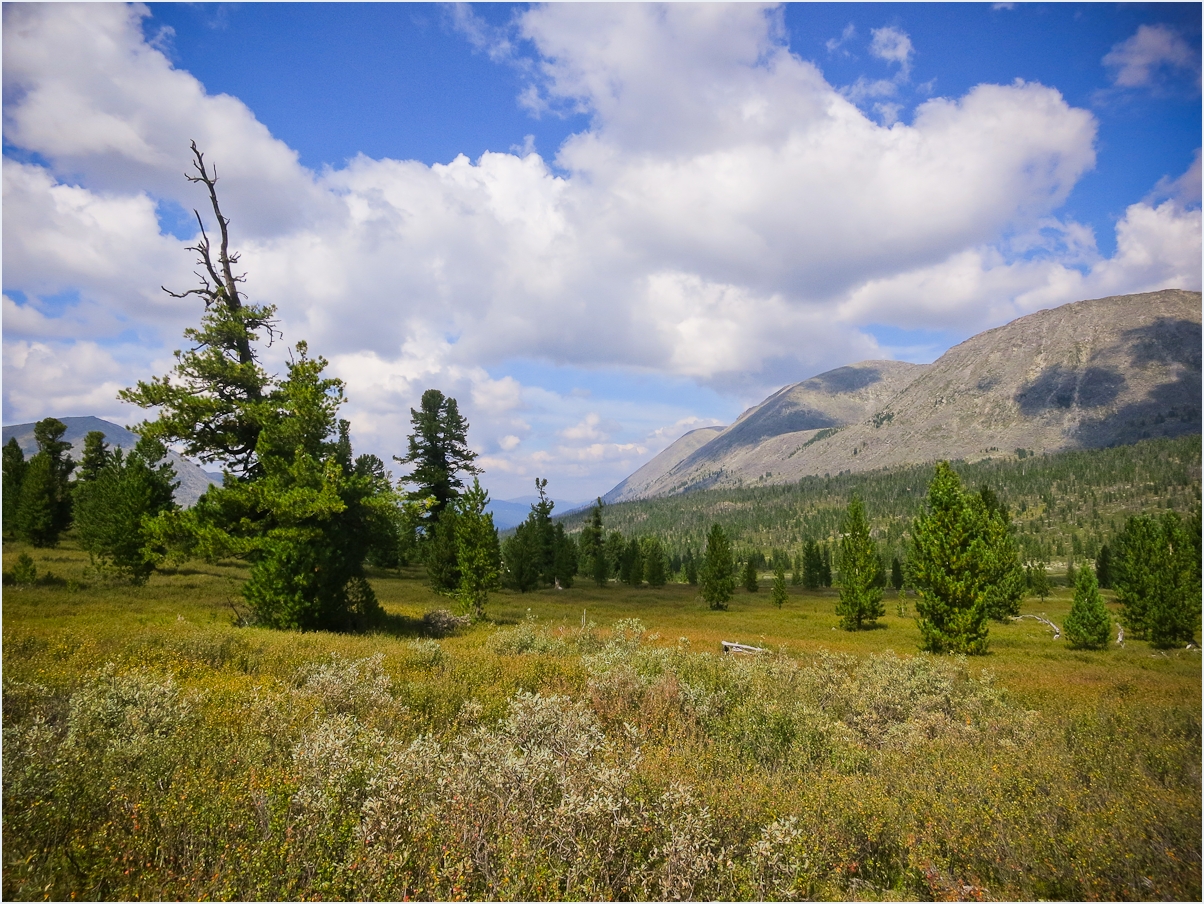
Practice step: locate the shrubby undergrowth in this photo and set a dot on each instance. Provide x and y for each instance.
(636, 770)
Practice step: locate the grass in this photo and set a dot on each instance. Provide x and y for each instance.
(155, 750)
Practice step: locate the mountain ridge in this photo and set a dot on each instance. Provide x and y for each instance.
(1089, 374)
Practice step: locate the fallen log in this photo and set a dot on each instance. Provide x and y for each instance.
(730, 646)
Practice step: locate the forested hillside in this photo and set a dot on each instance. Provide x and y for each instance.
(1062, 504)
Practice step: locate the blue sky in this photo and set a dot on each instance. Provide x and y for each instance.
(596, 226)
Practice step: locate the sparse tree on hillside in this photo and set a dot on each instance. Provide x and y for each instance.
(717, 578)
(860, 602)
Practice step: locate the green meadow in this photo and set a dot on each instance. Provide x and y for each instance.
(582, 743)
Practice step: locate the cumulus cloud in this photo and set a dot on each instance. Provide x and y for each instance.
(1150, 57)
(729, 218)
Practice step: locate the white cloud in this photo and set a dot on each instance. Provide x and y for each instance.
(728, 218)
(1150, 56)
(894, 46)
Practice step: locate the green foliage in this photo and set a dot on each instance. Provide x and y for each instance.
(749, 576)
(717, 578)
(521, 558)
(1088, 625)
(15, 467)
(653, 555)
(477, 549)
(1157, 578)
(813, 566)
(1103, 567)
(438, 450)
(631, 563)
(1037, 579)
(778, 593)
(293, 502)
(44, 505)
(948, 567)
(592, 547)
(1004, 575)
(96, 455)
(896, 574)
(439, 553)
(24, 572)
(1052, 497)
(115, 506)
(690, 567)
(860, 603)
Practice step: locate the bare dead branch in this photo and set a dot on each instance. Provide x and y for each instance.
(1057, 632)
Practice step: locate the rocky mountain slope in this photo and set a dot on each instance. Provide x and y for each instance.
(192, 478)
(1091, 374)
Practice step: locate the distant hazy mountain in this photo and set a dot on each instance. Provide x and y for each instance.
(509, 513)
(192, 478)
(1090, 374)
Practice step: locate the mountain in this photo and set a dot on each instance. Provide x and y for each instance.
(508, 513)
(192, 478)
(643, 482)
(1090, 374)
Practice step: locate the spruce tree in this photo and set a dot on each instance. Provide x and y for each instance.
(292, 503)
(44, 505)
(593, 548)
(1088, 624)
(1135, 571)
(717, 577)
(691, 568)
(896, 574)
(813, 566)
(631, 565)
(96, 455)
(860, 602)
(438, 450)
(796, 576)
(750, 576)
(947, 567)
(477, 552)
(115, 507)
(565, 556)
(654, 562)
(1103, 567)
(778, 594)
(15, 467)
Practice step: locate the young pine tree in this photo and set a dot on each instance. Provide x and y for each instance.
(860, 602)
(1088, 625)
(477, 551)
(948, 568)
(717, 577)
(778, 594)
